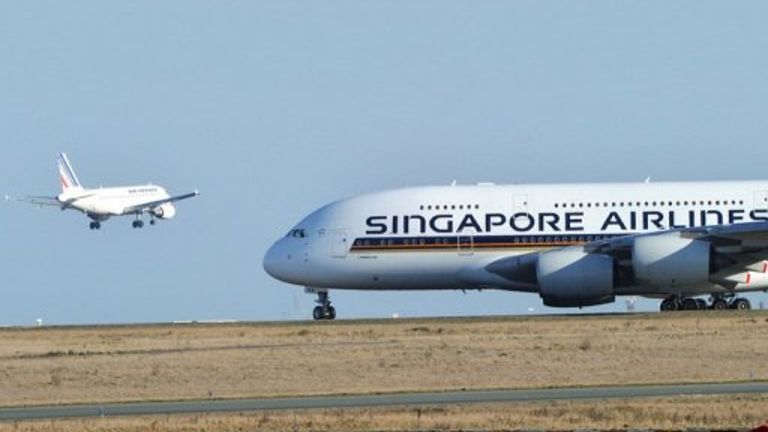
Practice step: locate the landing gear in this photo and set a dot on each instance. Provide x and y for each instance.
(689, 304)
(324, 311)
(730, 301)
(718, 302)
(138, 223)
(669, 304)
(741, 304)
(95, 225)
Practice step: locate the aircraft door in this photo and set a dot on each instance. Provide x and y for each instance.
(761, 200)
(339, 246)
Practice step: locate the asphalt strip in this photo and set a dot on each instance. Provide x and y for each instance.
(377, 400)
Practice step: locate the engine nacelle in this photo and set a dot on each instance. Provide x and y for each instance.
(669, 260)
(574, 278)
(165, 211)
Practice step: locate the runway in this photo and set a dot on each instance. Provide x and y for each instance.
(382, 400)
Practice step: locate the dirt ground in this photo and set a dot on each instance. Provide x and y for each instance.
(732, 412)
(128, 363)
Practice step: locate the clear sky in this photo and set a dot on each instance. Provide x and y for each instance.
(274, 108)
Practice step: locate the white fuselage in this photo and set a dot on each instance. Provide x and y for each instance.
(103, 203)
(446, 237)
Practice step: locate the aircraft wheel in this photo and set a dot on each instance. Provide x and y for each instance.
(152, 222)
(92, 225)
(720, 304)
(330, 313)
(668, 304)
(741, 304)
(138, 224)
(702, 304)
(317, 313)
(690, 304)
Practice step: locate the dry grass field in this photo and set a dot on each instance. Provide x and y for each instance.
(122, 363)
(733, 412)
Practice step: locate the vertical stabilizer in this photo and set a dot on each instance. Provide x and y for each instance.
(67, 174)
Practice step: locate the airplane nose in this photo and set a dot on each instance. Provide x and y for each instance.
(276, 261)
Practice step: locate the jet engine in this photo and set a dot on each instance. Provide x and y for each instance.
(572, 277)
(669, 260)
(165, 211)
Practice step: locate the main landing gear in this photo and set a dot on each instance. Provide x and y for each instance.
(95, 225)
(138, 223)
(324, 311)
(717, 302)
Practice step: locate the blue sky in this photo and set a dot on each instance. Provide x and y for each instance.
(273, 109)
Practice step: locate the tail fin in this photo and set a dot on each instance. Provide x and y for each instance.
(67, 174)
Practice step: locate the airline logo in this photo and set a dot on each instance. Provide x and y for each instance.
(523, 222)
(67, 176)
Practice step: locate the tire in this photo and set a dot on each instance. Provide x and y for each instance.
(331, 313)
(317, 313)
(690, 304)
(720, 304)
(668, 305)
(742, 304)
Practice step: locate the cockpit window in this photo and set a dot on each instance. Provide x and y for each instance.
(297, 233)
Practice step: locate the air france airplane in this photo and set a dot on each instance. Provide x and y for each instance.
(574, 245)
(103, 203)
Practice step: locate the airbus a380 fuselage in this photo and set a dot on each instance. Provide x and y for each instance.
(573, 244)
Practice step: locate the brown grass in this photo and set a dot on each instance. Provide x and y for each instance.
(734, 412)
(101, 364)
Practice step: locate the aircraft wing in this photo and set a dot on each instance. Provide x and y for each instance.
(744, 245)
(40, 201)
(745, 236)
(152, 204)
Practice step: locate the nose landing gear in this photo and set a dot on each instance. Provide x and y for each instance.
(324, 311)
(95, 225)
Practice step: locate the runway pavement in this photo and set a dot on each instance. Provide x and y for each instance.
(398, 399)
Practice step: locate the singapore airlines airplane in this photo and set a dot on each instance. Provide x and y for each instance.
(102, 203)
(575, 245)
